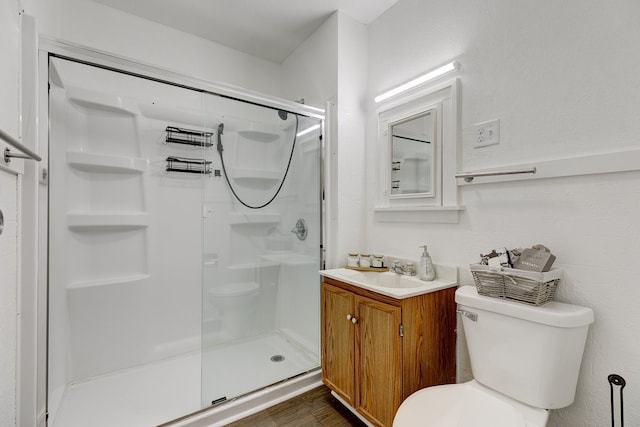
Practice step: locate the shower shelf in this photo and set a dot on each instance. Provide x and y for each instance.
(251, 265)
(310, 146)
(210, 259)
(118, 280)
(288, 258)
(258, 135)
(102, 220)
(94, 100)
(253, 218)
(106, 163)
(198, 138)
(187, 165)
(256, 174)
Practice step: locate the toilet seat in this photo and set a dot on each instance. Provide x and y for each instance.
(468, 404)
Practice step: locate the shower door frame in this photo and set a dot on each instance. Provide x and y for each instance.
(48, 48)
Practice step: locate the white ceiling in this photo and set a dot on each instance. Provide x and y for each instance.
(269, 29)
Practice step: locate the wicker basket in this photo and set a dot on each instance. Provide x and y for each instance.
(529, 287)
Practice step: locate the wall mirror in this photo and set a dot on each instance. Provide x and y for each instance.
(412, 143)
(417, 155)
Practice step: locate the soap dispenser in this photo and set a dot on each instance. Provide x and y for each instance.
(427, 272)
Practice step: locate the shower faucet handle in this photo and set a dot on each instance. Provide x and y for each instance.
(300, 230)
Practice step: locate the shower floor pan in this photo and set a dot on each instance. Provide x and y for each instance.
(159, 392)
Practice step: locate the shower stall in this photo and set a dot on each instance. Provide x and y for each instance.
(185, 238)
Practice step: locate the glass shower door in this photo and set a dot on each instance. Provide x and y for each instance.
(124, 273)
(261, 248)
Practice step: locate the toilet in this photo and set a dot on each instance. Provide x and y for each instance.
(525, 361)
(235, 303)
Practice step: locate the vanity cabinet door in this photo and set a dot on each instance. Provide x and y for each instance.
(366, 360)
(378, 360)
(338, 338)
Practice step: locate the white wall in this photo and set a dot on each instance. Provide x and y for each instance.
(100, 27)
(330, 67)
(352, 89)
(310, 71)
(562, 78)
(9, 258)
(10, 71)
(8, 297)
(17, 242)
(47, 13)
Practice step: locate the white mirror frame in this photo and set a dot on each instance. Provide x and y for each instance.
(443, 207)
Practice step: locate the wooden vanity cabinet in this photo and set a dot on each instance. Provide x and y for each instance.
(377, 350)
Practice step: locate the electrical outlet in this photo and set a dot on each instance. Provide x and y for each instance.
(487, 133)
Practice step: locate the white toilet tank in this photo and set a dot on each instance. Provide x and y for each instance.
(531, 354)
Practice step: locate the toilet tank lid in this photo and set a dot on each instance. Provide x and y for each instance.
(554, 313)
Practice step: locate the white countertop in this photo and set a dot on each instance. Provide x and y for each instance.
(395, 285)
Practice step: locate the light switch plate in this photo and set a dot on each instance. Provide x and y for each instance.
(486, 133)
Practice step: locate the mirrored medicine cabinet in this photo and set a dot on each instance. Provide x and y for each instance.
(417, 156)
(412, 156)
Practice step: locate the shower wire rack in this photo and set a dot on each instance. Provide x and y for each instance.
(198, 138)
(187, 165)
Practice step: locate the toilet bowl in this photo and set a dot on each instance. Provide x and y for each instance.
(535, 370)
(235, 303)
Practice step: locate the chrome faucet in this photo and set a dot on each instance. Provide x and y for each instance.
(408, 269)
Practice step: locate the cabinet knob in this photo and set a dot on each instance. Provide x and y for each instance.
(349, 317)
(354, 320)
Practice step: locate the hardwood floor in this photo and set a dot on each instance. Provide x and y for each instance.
(313, 408)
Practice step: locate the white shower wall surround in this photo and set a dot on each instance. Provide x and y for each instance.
(134, 250)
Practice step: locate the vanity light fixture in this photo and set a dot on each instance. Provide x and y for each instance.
(417, 81)
(308, 130)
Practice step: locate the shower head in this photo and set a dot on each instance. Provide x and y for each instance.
(283, 114)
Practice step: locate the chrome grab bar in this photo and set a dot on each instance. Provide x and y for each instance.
(468, 315)
(468, 177)
(28, 154)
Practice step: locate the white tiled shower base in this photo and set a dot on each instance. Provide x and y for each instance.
(159, 392)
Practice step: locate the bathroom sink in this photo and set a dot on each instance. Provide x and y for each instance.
(386, 279)
(392, 284)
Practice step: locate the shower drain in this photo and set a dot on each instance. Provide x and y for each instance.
(277, 358)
